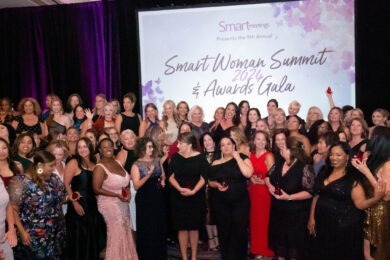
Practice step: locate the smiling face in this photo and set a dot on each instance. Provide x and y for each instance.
(128, 140)
(338, 158)
(25, 146)
(74, 101)
(227, 146)
(151, 113)
(58, 153)
(182, 109)
(4, 152)
(128, 105)
(82, 149)
(271, 108)
(356, 128)
(208, 143)
(72, 135)
(79, 113)
(106, 148)
(378, 118)
(230, 112)
(260, 141)
(196, 116)
(56, 106)
(28, 107)
(219, 114)
(280, 141)
(253, 116)
(244, 108)
(4, 131)
(169, 109)
(322, 147)
(293, 124)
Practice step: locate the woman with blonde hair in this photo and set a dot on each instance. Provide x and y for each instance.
(238, 135)
(313, 114)
(195, 117)
(170, 121)
(57, 121)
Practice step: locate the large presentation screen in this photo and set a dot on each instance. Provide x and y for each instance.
(209, 56)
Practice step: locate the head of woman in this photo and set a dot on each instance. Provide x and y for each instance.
(261, 125)
(207, 142)
(6, 105)
(59, 149)
(219, 114)
(29, 106)
(196, 115)
(145, 148)
(5, 156)
(294, 107)
(112, 134)
(129, 100)
(294, 150)
(186, 141)
(100, 101)
(359, 127)
(272, 105)
(128, 139)
(339, 156)
(238, 135)
(378, 147)
(293, 123)
(151, 112)
(232, 113)
(260, 141)
(108, 111)
(335, 115)
(279, 138)
(24, 145)
(5, 132)
(116, 105)
(56, 105)
(227, 146)
(280, 117)
(106, 148)
(313, 114)
(380, 116)
(169, 110)
(85, 150)
(72, 101)
(72, 135)
(49, 100)
(243, 107)
(252, 116)
(325, 141)
(342, 136)
(78, 113)
(185, 127)
(182, 109)
(357, 112)
(42, 167)
(92, 136)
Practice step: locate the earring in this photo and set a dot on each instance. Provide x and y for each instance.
(39, 171)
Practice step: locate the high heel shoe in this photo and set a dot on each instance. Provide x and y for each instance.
(212, 245)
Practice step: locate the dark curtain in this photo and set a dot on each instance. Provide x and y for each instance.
(60, 49)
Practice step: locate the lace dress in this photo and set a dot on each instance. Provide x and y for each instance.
(120, 243)
(287, 231)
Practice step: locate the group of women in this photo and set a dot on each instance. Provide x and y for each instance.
(87, 184)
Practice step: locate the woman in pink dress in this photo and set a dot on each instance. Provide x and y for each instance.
(112, 183)
(262, 160)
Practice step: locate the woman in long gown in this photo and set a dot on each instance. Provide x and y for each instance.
(37, 197)
(230, 202)
(148, 177)
(85, 227)
(262, 160)
(188, 168)
(290, 182)
(336, 216)
(377, 167)
(111, 183)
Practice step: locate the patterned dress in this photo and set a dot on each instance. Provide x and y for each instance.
(41, 215)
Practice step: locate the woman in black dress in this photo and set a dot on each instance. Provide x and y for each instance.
(290, 182)
(230, 201)
(188, 168)
(336, 216)
(85, 227)
(148, 178)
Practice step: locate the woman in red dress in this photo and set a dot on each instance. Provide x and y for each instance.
(262, 159)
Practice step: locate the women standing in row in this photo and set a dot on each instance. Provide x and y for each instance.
(109, 179)
(188, 168)
(290, 182)
(85, 226)
(336, 216)
(37, 197)
(262, 160)
(230, 202)
(148, 177)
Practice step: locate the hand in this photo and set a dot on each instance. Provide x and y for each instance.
(186, 192)
(311, 226)
(236, 155)
(284, 196)
(361, 166)
(78, 208)
(255, 179)
(88, 113)
(26, 239)
(124, 199)
(221, 187)
(11, 237)
(316, 158)
(380, 190)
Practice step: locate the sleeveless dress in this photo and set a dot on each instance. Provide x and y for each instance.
(120, 243)
(130, 122)
(151, 214)
(85, 235)
(260, 208)
(231, 209)
(4, 199)
(22, 127)
(172, 130)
